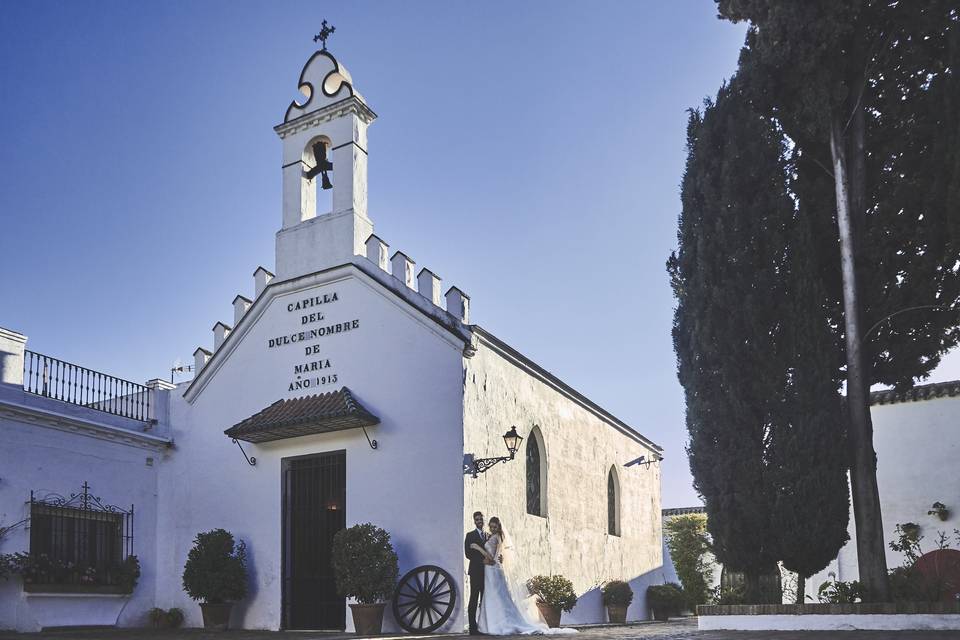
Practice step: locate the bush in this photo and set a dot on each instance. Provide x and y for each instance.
(216, 568)
(839, 592)
(554, 591)
(689, 548)
(617, 593)
(667, 598)
(175, 617)
(129, 573)
(730, 595)
(8, 565)
(161, 619)
(365, 564)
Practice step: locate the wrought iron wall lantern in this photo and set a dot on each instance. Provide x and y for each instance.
(512, 439)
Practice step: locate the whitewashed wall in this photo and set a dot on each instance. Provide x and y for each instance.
(918, 448)
(44, 449)
(581, 448)
(399, 364)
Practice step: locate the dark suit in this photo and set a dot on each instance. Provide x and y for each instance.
(475, 571)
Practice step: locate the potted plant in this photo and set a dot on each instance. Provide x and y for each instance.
(664, 600)
(365, 568)
(940, 510)
(161, 619)
(216, 575)
(554, 595)
(617, 596)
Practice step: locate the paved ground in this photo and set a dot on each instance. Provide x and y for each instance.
(673, 630)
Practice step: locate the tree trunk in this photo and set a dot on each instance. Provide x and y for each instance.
(801, 589)
(751, 581)
(871, 551)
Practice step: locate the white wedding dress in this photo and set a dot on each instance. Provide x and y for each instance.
(499, 614)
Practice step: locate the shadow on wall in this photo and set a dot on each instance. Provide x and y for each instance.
(241, 610)
(590, 607)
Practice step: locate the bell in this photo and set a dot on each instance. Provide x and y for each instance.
(321, 166)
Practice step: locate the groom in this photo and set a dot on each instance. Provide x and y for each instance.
(475, 568)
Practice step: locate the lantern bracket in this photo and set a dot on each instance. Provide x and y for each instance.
(480, 465)
(511, 439)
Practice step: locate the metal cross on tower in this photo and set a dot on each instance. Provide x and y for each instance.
(325, 33)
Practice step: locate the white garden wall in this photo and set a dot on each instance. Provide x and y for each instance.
(50, 447)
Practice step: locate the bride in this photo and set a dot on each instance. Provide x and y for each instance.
(499, 613)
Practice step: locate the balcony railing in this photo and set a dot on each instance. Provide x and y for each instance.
(60, 380)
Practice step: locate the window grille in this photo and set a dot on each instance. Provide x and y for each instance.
(534, 495)
(78, 540)
(613, 516)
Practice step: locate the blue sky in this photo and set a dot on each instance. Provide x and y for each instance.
(529, 153)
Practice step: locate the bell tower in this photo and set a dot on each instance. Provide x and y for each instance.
(324, 148)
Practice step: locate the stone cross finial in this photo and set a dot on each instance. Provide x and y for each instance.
(325, 33)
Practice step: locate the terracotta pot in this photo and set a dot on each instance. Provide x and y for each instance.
(550, 614)
(368, 618)
(616, 613)
(216, 616)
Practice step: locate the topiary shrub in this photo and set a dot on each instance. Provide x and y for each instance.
(216, 568)
(617, 593)
(554, 591)
(174, 617)
(364, 563)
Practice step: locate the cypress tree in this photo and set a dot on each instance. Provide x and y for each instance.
(726, 277)
(868, 92)
(807, 457)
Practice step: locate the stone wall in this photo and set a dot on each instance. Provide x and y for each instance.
(581, 447)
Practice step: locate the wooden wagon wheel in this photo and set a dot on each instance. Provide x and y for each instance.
(425, 599)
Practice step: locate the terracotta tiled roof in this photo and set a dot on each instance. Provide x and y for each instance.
(919, 392)
(333, 411)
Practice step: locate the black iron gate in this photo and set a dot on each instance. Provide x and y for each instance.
(314, 499)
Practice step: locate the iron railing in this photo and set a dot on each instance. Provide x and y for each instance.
(60, 380)
(79, 540)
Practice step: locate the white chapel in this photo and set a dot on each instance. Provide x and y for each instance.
(348, 386)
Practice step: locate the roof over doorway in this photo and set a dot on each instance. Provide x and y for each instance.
(295, 417)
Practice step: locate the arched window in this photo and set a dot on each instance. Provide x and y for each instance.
(536, 474)
(613, 503)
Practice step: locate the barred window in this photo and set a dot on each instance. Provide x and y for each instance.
(78, 540)
(534, 488)
(613, 503)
